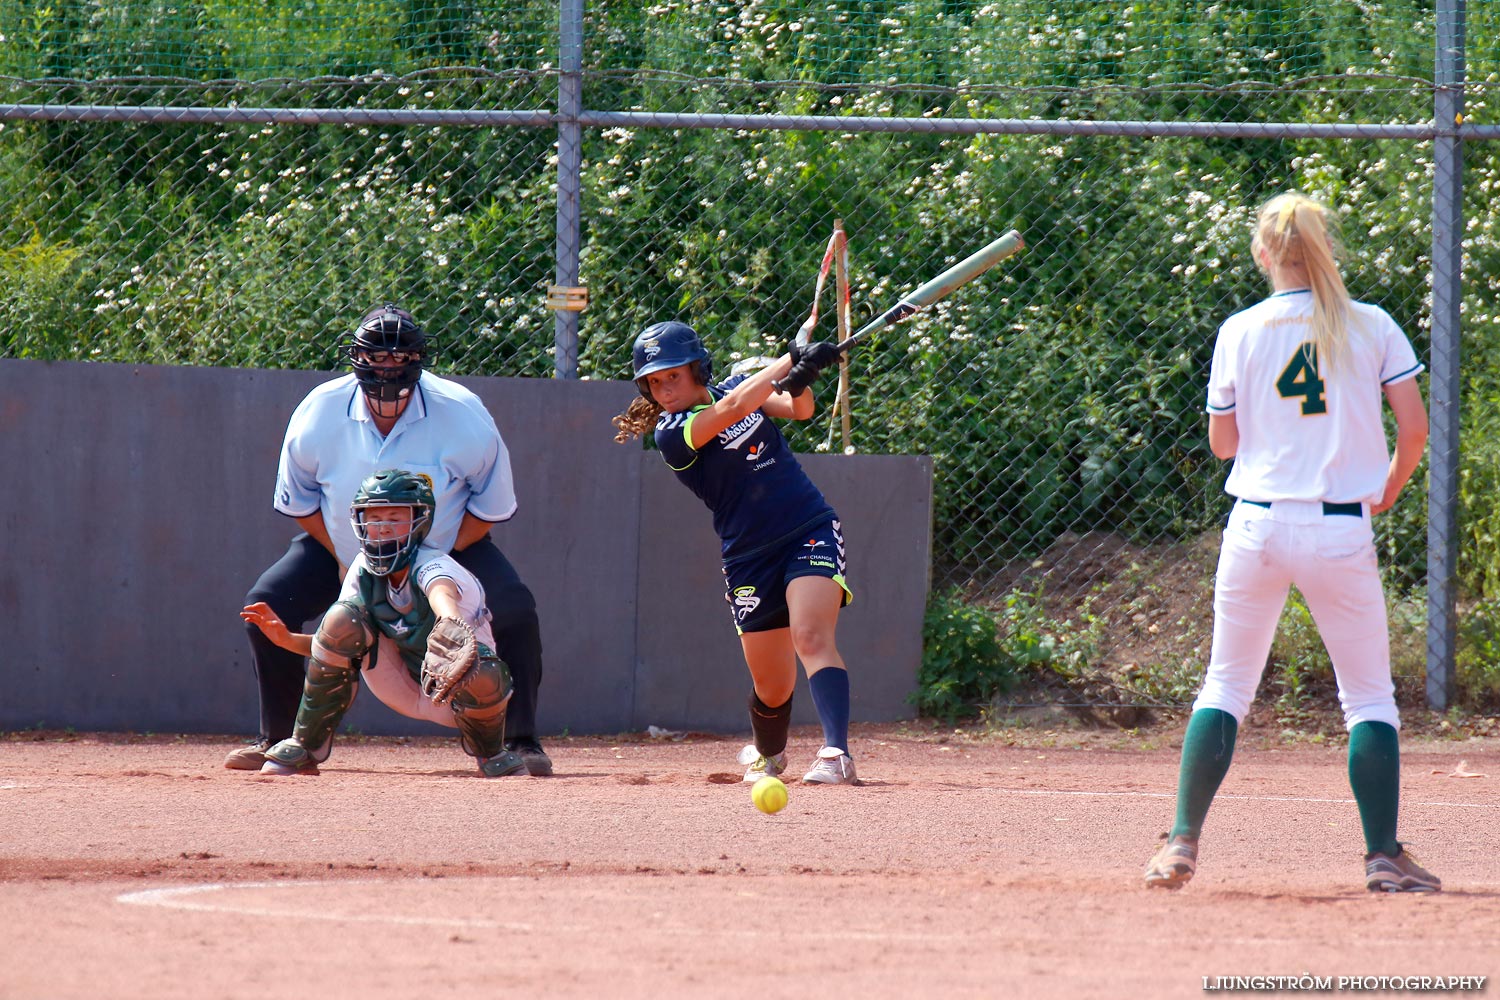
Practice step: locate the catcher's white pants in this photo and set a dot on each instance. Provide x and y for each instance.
(392, 684)
(1331, 559)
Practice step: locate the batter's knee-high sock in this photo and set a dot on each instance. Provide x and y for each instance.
(769, 725)
(1375, 779)
(1207, 748)
(830, 693)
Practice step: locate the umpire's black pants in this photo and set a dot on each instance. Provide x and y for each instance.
(304, 582)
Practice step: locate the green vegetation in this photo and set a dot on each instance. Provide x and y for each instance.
(984, 657)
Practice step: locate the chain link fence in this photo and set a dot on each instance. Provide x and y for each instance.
(208, 184)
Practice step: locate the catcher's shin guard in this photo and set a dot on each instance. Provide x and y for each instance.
(291, 757)
(326, 696)
(479, 703)
(332, 677)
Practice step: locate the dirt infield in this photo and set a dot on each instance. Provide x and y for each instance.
(135, 867)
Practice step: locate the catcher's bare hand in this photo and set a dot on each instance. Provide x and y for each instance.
(452, 651)
(262, 617)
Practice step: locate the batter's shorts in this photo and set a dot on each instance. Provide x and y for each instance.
(755, 586)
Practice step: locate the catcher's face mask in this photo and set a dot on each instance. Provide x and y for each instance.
(389, 535)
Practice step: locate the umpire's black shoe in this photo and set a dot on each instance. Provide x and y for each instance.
(249, 757)
(538, 764)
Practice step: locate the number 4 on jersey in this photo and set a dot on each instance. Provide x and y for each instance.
(1300, 378)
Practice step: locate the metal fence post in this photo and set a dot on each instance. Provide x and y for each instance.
(1447, 295)
(569, 182)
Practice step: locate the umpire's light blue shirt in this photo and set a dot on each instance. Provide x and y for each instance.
(332, 445)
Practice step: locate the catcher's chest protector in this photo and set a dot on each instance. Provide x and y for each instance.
(408, 629)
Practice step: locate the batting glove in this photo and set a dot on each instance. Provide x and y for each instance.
(819, 354)
(796, 381)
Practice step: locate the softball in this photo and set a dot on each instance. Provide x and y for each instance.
(768, 794)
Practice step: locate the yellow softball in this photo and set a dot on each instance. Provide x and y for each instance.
(768, 794)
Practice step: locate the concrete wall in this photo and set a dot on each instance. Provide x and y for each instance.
(140, 513)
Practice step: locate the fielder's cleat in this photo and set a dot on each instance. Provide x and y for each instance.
(538, 764)
(503, 763)
(833, 767)
(761, 766)
(249, 757)
(1174, 865)
(1401, 873)
(287, 758)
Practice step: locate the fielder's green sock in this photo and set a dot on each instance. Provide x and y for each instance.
(1375, 779)
(1207, 748)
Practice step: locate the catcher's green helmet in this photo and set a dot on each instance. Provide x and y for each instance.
(386, 551)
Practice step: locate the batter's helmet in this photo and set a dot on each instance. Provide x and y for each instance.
(388, 350)
(392, 488)
(667, 345)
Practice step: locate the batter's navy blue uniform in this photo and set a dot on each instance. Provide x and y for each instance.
(773, 524)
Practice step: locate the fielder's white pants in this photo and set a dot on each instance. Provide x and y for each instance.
(1331, 559)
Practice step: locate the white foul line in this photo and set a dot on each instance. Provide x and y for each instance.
(1243, 798)
(173, 899)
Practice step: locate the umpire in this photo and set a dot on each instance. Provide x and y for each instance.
(390, 414)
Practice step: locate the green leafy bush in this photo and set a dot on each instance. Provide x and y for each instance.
(963, 663)
(1479, 654)
(971, 654)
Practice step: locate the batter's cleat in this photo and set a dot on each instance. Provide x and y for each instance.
(833, 767)
(503, 763)
(1401, 873)
(287, 758)
(249, 757)
(538, 764)
(761, 766)
(1174, 865)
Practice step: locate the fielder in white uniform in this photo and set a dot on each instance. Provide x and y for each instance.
(1294, 397)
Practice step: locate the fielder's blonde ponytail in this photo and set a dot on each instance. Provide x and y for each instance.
(1301, 235)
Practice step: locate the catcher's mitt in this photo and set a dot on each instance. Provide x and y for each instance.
(452, 651)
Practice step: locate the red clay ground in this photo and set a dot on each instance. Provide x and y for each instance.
(137, 867)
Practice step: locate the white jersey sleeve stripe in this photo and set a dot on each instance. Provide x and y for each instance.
(1411, 372)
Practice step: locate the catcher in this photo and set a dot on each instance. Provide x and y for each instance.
(421, 620)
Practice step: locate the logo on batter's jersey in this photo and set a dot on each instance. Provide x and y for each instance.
(738, 433)
(744, 602)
